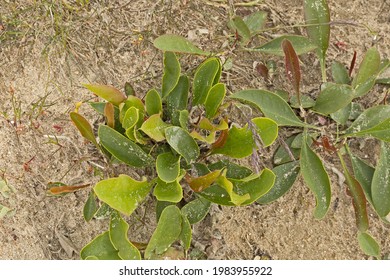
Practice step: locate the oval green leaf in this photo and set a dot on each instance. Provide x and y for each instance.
(90, 207)
(153, 102)
(100, 248)
(272, 106)
(364, 174)
(168, 167)
(380, 187)
(203, 80)
(176, 43)
(267, 130)
(368, 70)
(109, 93)
(182, 142)
(186, 233)
(131, 118)
(214, 99)
(177, 100)
(316, 178)
(286, 175)
(255, 22)
(333, 98)
(122, 148)
(119, 239)
(171, 192)
(122, 193)
(171, 73)
(369, 245)
(340, 73)
(196, 210)
(168, 231)
(301, 45)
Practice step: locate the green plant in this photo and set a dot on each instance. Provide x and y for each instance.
(181, 139)
(345, 121)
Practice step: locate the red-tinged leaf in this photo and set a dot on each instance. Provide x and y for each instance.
(353, 62)
(293, 70)
(199, 184)
(221, 139)
(109, 113)
(66, 189)
(359, 201)
(108, 93)
(262, 70)
(83, 126)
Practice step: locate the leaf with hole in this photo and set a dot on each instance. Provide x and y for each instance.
(176, 43)
(168, 231)
(182, 142)
(267, 130)
(316, 178)
(83, 126)
(153, 102)
(108, 93)
(118, 236)
(122, 148)
(171, 75)
(196, 210)
(100, 248)
(122, 193)
(272, 106)
(333, 98)
(204, 79)
(286, 175)
(369, 245)
(301, 45)
(239, 143)
(380, 186)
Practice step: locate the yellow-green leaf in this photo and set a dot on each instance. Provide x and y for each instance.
(83, 126)
(109, 93)
(153, 102)
(122, 193)
(369, 245)
(199, 184)
(171, 192)
(176, 43)
(267, 130)
(168, 231)
(214, 99)
(154, 127)
(100, 248)
(118, 236)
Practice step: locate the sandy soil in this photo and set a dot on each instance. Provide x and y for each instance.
(47, 50)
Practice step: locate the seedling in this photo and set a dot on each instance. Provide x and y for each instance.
(173, 135)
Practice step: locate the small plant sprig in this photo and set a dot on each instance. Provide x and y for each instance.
(172, 135)
(346, 120)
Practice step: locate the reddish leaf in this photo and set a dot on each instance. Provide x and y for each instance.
(221, 139)
(359, 201)
(353, 62)
(66, 189)
(262, 70)
(293, 70)
(198, 184)
(109, 114)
